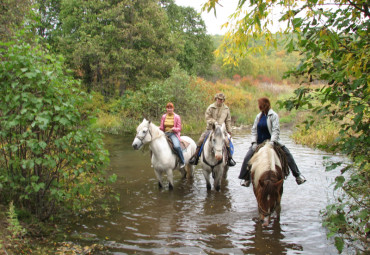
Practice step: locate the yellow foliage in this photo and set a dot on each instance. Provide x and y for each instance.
(236, 97)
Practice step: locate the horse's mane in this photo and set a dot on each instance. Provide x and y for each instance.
(281, 155)
(156, 132)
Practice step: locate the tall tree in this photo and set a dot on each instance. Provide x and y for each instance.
(196, 55)
(334, 41)
(114, 44)
(12, 15)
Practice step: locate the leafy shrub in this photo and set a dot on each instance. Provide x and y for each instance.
(51, 157)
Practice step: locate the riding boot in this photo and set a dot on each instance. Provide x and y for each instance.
(247, 177)
(195, 158)
(293, 167)
(230, 160)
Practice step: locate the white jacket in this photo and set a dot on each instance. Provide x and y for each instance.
(272, 125)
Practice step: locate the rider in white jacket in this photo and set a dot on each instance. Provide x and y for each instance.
(266, 126)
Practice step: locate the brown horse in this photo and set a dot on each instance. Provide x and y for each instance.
(268, 178)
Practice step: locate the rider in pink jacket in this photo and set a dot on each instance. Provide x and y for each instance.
(171, 126)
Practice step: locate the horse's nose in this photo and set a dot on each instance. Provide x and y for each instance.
(134, 146)
(218, 156)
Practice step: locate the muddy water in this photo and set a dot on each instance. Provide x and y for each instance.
(192, 220)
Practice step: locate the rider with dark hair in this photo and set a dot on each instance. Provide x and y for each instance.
(266, 126)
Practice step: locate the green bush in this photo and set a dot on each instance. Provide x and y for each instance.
(150, 101)
(50, 156)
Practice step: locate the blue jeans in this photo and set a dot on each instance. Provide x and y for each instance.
(176, 146)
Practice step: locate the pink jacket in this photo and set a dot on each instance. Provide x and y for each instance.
(176, 126)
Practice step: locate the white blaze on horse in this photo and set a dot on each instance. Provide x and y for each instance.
(268, 175)
(213, 157)
(163, 159)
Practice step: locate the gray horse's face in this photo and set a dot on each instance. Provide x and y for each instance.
(217, 141)
(143, 135)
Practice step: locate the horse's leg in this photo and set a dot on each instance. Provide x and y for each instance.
(226, 169)
(218, 177)
(206, 176)
(278, 205)
(189, 171)
(159, 178)
(170, 179)
(183, 172)
(278, 210)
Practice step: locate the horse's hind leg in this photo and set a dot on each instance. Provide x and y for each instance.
(170, 178)
(159, 178)
(206, 176)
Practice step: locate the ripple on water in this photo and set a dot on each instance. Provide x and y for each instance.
(192, 220)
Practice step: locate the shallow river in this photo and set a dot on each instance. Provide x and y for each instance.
(192, 220)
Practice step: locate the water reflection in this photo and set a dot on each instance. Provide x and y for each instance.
(269, 240)
(192, 220)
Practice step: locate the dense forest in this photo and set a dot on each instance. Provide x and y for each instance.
(72, 69)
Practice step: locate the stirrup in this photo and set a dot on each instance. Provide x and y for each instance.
(193, 160)
(300, 179)
(245, 183)
(231, 162)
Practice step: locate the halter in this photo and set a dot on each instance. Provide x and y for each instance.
(143, 137)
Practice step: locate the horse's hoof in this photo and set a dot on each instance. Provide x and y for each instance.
(160, 185)
(218, 188)
(170, 187)
(209, 186)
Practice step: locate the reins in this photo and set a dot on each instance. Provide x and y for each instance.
(218, 162)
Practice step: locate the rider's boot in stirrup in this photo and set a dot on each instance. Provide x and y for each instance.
(194, 159)
(247, 181)
(230, 160)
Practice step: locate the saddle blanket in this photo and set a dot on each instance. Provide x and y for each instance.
(184, 144)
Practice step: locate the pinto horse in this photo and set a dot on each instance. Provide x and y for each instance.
(268, 170)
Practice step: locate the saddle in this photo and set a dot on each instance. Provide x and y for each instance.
(184, 144)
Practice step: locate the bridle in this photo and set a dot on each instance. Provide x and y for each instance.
(141, 138)
(218, 162)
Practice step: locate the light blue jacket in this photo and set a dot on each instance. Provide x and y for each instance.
(272, 125)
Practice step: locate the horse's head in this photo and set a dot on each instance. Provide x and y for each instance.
(217, 139)
(143, 134)
(270, 190)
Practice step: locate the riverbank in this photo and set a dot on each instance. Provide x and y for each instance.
(122, 115)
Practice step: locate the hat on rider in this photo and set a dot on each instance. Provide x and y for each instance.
(220, 96)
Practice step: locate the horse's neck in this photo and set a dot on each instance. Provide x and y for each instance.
(159, 146)
(208, 153)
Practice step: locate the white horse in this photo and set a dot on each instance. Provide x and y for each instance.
(163, 159)
(213, 157)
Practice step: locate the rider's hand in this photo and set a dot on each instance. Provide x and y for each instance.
(254, 146)
(230, 134)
